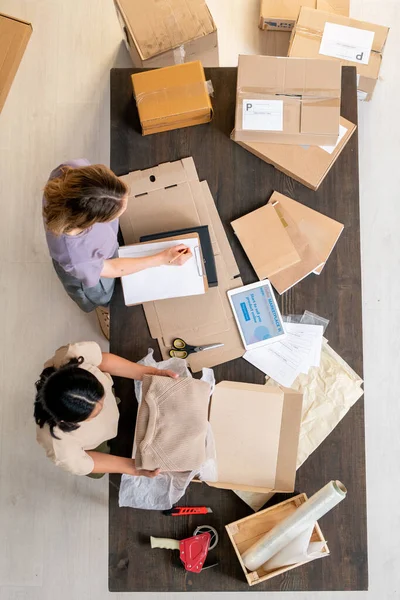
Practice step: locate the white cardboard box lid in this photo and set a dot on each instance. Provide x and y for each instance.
(256, 430)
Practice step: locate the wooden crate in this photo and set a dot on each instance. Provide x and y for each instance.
(246, 532)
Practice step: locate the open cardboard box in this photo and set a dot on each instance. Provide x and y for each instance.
(256, 431)
(160, 34)
(246, 532)
(284, 101)
(170, 196)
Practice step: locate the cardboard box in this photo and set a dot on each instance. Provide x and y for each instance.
(169, 197)
(281, 15)
(160, 34)
(256, 431)
(307, 164)
(246, 532)
(287, 101)
(337, 38)
(172, 97)
(14, 37)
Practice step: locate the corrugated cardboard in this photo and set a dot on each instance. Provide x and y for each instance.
(172, 97)
(14, 37)
(168, 197)
(313, 234)
(310, 90)
(277, 251)
(307, 35)
(159, 34)
(307, 164)
(281, 15)
(256, 431)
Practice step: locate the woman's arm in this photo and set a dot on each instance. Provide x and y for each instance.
(117, 267)
(108, 463)
(120, 367)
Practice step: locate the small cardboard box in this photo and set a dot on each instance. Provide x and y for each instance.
(286, 101)
(160, 34)
(256, 431)
(170, 196)
(172, 97)
(14, 37)
(348, 41)
(307, 164)
(281, 15)
(246, 532)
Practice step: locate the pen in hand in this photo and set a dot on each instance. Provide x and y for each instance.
(178, 255)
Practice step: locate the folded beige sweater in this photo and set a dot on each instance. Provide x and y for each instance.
(171, 424)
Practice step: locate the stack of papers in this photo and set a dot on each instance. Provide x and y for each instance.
(296, 353)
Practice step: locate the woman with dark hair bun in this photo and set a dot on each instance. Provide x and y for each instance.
(76, 411)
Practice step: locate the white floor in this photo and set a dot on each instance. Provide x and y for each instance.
(53, 528)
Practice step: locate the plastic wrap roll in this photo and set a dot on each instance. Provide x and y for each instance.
(286, 531)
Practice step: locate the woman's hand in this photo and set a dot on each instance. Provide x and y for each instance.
(177, 256)
(160, 372)
(141, 472)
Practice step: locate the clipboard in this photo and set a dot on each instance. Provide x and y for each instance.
(159, 284)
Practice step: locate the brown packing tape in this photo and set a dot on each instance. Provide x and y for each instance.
(176, 92)
(274, 93)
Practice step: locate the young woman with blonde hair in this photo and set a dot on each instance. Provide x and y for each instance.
(81, 207)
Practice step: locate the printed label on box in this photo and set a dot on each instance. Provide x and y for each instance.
(347, 43)
(263, 115)
(330, 149)
(277, 24)
(361, 95)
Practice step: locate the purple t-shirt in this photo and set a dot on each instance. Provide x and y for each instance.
(83, 255)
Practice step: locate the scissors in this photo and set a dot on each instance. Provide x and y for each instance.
(182, 350)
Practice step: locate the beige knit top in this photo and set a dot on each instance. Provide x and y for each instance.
(171, 425)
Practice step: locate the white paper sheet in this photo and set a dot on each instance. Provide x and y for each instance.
(263, 115)
(347, 43)
(285, 360)
(330, 149)
(168, 281)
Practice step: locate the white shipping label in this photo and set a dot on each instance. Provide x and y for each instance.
(263, 115)
(330, 149)
(347, 43)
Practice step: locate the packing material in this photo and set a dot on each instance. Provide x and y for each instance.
(285, 101)
(172, 97)
(159, 34)
(281, 15)
(307, 164)
(351, 42)
(14, 38)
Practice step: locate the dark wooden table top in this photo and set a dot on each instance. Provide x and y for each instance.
(240, 182)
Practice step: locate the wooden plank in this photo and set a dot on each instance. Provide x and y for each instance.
(240, 182)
